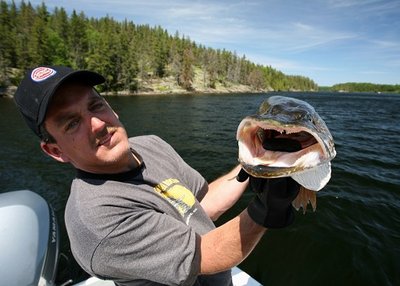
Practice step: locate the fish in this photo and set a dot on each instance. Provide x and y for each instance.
(287, 138)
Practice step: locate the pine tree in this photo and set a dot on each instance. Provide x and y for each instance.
(24, 42)
(129, 65)
(186, 74)
(59, 37)
(78, 44)
(5, 43)
(41, 51)
(160, 53)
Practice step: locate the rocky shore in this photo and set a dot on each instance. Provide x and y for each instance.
(167, 85)
(160, 87)
(7, 91)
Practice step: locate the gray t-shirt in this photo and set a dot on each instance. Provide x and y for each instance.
(142, 227)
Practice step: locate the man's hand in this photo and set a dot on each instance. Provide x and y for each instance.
(272, 205)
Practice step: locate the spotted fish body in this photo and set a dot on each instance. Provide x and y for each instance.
(285, 138)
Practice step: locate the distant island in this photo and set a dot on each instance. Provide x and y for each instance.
(135, 59)
(363, 87)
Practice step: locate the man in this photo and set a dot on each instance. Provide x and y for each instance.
(137, 213)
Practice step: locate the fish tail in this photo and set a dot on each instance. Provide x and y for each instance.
(304, 198)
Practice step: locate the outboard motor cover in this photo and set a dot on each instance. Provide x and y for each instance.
(29, 240)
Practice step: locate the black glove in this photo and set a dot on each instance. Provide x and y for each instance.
(272, 205)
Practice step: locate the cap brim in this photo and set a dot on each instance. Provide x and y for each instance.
(83, 76)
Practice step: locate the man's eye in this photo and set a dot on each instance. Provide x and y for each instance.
(72, 124)
(97, 106)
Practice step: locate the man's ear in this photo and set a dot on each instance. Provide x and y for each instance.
(54, 151)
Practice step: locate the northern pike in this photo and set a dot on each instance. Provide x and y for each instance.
(285, 138)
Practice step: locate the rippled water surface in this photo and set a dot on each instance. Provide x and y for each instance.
(352, 239)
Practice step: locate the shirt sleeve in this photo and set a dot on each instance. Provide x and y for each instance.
(149, 245)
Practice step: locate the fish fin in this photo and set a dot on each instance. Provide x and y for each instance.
(313, 199)
(304, 198)
(314, 179)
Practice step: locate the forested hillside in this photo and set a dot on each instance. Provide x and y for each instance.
(366, 87)
(127, 54)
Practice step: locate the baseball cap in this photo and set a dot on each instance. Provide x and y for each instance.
(36, 89)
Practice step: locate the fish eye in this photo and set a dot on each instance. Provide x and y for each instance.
(298, 115)
(276, 110)
(309, 118)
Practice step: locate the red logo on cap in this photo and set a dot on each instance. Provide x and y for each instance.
(42, 73)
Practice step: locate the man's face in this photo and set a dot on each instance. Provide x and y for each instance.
(88, 133)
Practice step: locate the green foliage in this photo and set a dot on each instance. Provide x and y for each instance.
(126, 54)
(365, 87)
(186, 74)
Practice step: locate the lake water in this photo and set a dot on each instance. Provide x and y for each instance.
(352, 239)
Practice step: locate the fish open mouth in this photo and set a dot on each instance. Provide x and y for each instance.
(287, 138)
(273, 140)
(265, 144)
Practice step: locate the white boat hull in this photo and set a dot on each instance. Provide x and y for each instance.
(239, 278)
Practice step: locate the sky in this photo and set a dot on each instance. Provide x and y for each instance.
(329, 41)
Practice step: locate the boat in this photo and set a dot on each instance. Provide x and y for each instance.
(30, 242)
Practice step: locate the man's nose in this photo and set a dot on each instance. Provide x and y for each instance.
(97, 124)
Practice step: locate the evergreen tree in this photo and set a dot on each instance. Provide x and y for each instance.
(186, 74)
(25, 42)
(41, 51)
(160, 53)
(5, 43)
(210, 67)
(59, 37)
(129, 64)
(78, 44)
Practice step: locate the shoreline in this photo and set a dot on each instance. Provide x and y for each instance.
(8, 92)
(180, 92)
